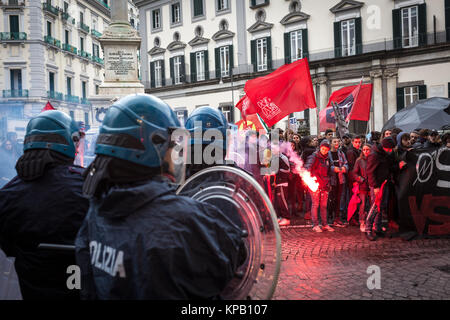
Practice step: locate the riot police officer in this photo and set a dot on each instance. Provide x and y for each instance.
(44, 204)
(140, 240)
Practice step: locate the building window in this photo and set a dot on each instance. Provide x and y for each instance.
(198, 8)
(81, 18)
(261, 54)
(158, 74)
(296, 45)
(86, 119)
(228, 113)
(67, 36)
(51, 81)
(410, 27)
(83, 89)
(97, 89)
(156, 19)
(177, 69)
(69, 86)
(348, 37)
(224, 61)
(16, 79)
(14, 24)
(49, 28)
(411, 95)
(176, 13)
(95, 50)
(81, 43)
(222, 5)
(182, 115)
(200, 65)
(66, 7)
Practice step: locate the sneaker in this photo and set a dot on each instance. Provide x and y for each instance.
(371, 236)
(362, 227)
(338, 224)
(317, 229)
(327, 228)
(284, 222)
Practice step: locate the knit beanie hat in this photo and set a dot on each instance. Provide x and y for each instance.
(388, 142)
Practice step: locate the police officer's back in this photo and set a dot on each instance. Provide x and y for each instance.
(44, 204)
(140, 240)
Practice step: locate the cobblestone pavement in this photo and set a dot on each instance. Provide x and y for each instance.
(333, 265)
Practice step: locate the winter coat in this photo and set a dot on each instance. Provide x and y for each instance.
(319, 166)
(145, 242)
(49, 209)
(352, 155)
(380, 167)
(359, 174)
(334, 177)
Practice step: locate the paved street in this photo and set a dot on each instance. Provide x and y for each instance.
(334, 266)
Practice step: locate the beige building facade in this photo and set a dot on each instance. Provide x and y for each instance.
(201, 52)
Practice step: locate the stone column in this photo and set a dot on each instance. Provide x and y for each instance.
(391, 75)
(377, 120)
(314, 113)
(119, 11)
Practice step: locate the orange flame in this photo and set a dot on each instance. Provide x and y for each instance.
(309, 180)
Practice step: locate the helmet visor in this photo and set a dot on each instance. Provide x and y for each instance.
(177, 154)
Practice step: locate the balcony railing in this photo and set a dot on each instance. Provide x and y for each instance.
(84, 27)
(52, 41)
(84, 54)
(67, 47)
(103, 3)
(49, 8)
(85, 101)
(55, 95)
(66, 17)
(10, 36)
(95, 33)
(72, 99)
(97, 59)
(18, 93)
(14, 3)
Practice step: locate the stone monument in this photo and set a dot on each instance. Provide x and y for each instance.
(120, 43)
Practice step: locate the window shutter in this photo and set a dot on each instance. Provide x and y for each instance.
(217, 54)
(172, 71)
(183, 70)
(269, 53)
(13, 23)
(163, 73)
(287, 48)
(337, 40)
(422, 92)
(358, 35)
(447, 18)
(397, 28)
(193, 68)
(230, 48)
(400, 98)
(198, 8)
(152, 75)
(253, 54)
(305, 43)
(423, 24)
(206, 65)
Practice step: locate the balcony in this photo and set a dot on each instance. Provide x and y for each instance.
(55, 95)
(18, 93)
(95, 33)
(51, 9)
(13, 36)
(67, 47)
(13, 4)
(97, 60)
(67, 18)
(84, 27)
(71, 99)
(84, 54)
(85, 101)
(52, 41)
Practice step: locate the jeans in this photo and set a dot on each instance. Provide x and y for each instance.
(336, 194)
(319, 198)
(362, 206)
(374, 219)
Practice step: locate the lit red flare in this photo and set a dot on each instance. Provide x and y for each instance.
(309, 180)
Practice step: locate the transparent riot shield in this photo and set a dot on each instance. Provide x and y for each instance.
(239, 196)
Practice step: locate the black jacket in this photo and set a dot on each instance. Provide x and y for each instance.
(359, 174)
(380, 167)
(49, 209)
(145, 242)
(352, 154)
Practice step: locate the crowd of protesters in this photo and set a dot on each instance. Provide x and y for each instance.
(353, 165)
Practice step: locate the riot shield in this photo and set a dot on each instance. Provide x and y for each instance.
(240, 197)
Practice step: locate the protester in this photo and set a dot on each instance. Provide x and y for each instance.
(375, 137)
(346, 142)
(359, 177)
(380, 168)
(339, 168)
(319, 166)
(414, 137)
(386, 133)
(403, 146)
(423, 137)
(329, 135)
(353, 152)
(433, 140)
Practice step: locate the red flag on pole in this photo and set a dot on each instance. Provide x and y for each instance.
(354, 101)
(48, 106)
(326, 119)
(246, 107)
(286, 90)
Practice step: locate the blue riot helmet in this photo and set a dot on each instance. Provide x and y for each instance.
(140, 128)
(206, 118)
(53, 130)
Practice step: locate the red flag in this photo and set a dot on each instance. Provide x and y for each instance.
(251, 122)
(354, 101)
(326, 119)
(48, 106)
(286, 90)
